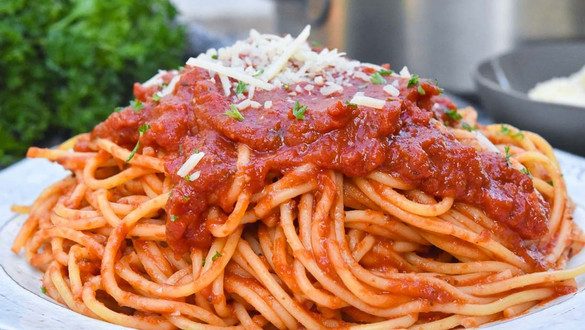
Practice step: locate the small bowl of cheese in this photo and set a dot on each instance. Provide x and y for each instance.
(540, 88)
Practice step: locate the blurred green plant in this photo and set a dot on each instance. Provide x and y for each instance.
(66, 64)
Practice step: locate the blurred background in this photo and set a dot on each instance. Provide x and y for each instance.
(65, 65)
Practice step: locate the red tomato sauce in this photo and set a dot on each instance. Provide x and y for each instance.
(400, 139)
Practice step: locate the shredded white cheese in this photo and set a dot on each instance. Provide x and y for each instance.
(330, 89)
(404, 73)
(230, 72)
(268, 104)
(170, 87)
(391, 90)
(190, 164)
(367, 101)
(277, 66)
(485, 142)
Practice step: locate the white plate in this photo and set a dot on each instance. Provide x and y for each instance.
(24, 306)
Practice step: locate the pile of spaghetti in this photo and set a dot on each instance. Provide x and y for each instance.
(272, 183)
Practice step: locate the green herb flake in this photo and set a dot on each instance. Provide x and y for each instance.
(550, 182)
(468, 127)
(385, 72)
(215, 57)
(234, 113)
(216, 255)
(44, 289)
(377, 79)
(188, 177)
(136, 105)
(421, 90)
(258, 73)
(287, 86)
(316, 44)
(453, 114)
(507, 150)
(202, 262)
(413, 81)
(171, 191)
(156, 97)
(505, 129)
(141, 130)
(241, 87)
(526, 171)
(186, 198)
(350, 104)
(299, 111)
(174, 217)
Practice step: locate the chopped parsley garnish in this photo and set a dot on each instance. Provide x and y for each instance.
(170, 191)
(362, 86)
(453, 114)
(241, 87)
(507, 131)
(136, 105)
(377, 79)
(316, 44)
(188, 177)
(216, 255)
(350, 104)
(550, 182)
(413, 81)
(287, 86)
(202, 262)
(507, 150)
(385, 72)
(234, 113)
(468, 127)
(215, 57)
(141, 130)
(299, 111)
(44, 290)
(174, 217)
(186, 198)
(156, 97)
(526, 171)
(421, 90)
(258, 73)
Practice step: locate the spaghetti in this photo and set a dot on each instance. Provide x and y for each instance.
(243, 191)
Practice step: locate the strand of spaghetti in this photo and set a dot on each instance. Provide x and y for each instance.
(56, 154)
(494, 307)
(97, 307)
(427, 210)
(233, 220)
(138, 159)
(388, 180)
(112, 181)
(397, 323)
(432, 265)
(559, 189)
(319, 296)
(524, 280)
(448, 322)
(241, 162)
(291, 306)
(78, 224)
(265, 205)
(65, 292)
(262, 301)
(244, 317)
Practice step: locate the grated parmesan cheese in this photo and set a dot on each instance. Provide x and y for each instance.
(404, 73)
(190, 164)
(268, 104)
(366, 101)
(391, 90)
(170, 87)
(330, 89)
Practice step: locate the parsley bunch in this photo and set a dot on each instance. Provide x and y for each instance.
(66, 64)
